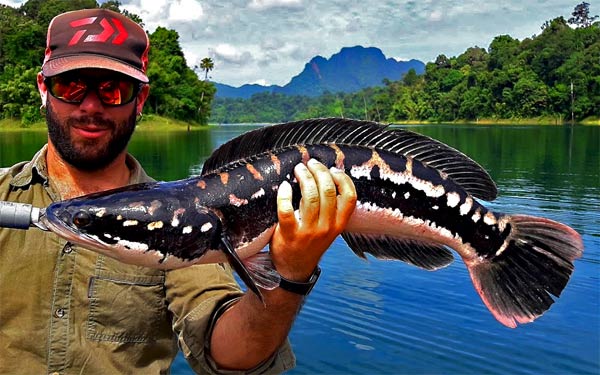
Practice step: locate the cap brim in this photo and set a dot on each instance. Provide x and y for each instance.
(64, 64)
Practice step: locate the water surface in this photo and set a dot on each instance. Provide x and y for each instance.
(374, 317)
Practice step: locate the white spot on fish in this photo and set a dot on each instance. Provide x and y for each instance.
(406, 195)
(359, 171)
(188, 229)
(107, 235)
(453, 199)
(502, 248)
(178, 212)
(138, 246)
(206, 227)
(393, 195)
(130, 223)
(489, 219)
(258, 194)
(466, 207)
(476, 216)
(119, 217)
(101, 212)
(155, 225)
(435, 207)
(235, 201)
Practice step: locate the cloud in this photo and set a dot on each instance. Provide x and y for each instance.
(436, 15)
(185, 10)
(268, 4)
(14, 3)
(230, 55)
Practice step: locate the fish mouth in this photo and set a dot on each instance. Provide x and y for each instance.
(73, 235)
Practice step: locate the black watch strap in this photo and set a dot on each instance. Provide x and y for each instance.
(301, 288)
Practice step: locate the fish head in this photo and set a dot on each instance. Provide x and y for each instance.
(121, 224)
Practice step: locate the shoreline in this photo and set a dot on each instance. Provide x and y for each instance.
(158, 123)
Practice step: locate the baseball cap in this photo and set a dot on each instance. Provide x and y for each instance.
(96, 38)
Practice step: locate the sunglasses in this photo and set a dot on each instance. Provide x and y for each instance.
(110, 91)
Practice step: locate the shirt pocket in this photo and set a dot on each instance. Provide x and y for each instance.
(126, 308)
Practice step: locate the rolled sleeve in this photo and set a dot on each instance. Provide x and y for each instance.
(197, 296)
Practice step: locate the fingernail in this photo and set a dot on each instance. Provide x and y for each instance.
(313, 161)
(335, 170)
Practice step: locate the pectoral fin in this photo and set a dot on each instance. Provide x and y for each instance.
(239, 267)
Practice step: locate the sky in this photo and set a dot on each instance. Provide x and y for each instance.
(270, 41)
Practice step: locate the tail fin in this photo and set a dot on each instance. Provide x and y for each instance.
(535, 261)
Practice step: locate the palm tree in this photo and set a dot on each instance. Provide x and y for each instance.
(207, 65)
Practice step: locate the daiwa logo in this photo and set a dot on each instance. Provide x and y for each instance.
(109, 28)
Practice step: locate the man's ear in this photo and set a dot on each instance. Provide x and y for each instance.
(142, 96)
(43, 90)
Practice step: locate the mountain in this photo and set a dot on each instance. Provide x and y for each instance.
(244, 91)
(351, 69)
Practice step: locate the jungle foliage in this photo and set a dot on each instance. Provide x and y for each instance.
(553, 75)
(176, 91)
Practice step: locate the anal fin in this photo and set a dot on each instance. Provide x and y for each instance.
(428, 256)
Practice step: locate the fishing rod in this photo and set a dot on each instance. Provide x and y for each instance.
(20, 216)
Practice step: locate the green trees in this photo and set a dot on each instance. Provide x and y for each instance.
(176, 91)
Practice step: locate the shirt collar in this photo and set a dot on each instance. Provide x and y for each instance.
(37, 168)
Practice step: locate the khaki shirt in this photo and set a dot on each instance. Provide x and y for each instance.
(68, 310)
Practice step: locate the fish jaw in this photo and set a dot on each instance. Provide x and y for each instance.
(70, 233)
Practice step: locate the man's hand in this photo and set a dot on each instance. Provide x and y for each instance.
(328, 201)
(250, 332)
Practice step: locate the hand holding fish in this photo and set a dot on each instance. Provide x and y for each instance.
(328, 200)
(298, 243)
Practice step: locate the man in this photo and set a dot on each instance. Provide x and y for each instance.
(64, 309)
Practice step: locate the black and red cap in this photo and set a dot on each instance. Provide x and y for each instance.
(96, 38)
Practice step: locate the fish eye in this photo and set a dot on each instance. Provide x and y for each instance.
(81, 219)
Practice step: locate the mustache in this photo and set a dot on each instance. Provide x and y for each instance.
(91, 120)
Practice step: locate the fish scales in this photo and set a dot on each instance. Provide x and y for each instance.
(416, 197)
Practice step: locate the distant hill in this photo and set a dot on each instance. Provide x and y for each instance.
(350, 70)
(244, 91)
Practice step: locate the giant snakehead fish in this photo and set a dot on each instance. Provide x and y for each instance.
(417, 197)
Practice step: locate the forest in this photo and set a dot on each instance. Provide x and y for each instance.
(554, 75)
(176, 90)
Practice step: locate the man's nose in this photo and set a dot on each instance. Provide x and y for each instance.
(91, 102)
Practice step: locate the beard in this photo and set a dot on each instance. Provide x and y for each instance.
(88, 154)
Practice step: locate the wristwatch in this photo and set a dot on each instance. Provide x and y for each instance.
(301, 288)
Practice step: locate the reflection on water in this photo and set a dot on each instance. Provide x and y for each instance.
(374, 317)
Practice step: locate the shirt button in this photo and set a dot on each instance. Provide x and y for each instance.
(67, 249)
(59, 313)
(55, 373)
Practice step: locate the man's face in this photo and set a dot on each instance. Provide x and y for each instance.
(90, 135)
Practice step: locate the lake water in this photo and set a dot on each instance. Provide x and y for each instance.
(390, 318)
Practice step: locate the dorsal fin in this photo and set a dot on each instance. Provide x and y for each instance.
(459, 167)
